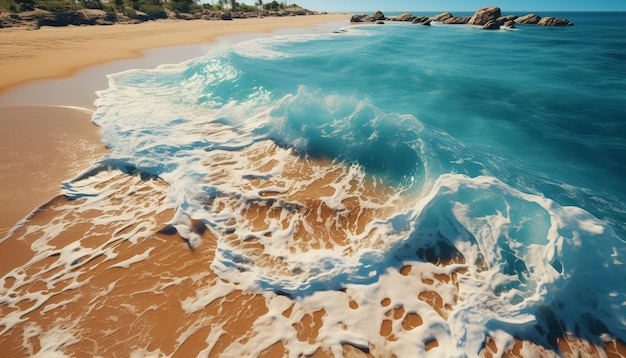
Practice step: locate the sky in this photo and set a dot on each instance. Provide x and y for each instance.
(460, 5)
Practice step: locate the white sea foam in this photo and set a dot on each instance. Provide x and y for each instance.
(522, 251)
(319, 200)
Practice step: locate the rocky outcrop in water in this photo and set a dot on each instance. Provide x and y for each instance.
(485, 15)
(379, 16)
(422, 20)
(489, 18)
(554, 21)
(403, 17)
(491, 25)
(530, 19)
(456, 20)
(441, 17)
(504, 19)
(510, 24)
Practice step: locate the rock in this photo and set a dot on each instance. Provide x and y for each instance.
(141, 16)
(241, 15)
(530, 19)
(404, 17)
(441, 17)
(421, 20)
(509, 24)
(169, 13)
(296, 11)
(484, 15)
(380, 22)
(362, 18)
(491, 25)
(378, 15)
(124, 19)
(226, 16)
(97, 17)
(210, 15)
(503, 19)
(554, 21)
(9, 19)
(457, 20)
(185, 16)
(37, 18)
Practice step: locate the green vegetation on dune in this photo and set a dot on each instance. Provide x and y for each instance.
(152, 8)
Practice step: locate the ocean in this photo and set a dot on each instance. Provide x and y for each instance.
(470, 180)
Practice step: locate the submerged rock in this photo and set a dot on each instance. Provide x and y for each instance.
(530, 19)
(485, 15)
(554, 21)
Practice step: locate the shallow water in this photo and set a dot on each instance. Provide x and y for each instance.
(322, 163)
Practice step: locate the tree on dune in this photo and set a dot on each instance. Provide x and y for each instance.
(274, 5)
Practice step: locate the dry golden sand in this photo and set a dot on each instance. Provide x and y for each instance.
(59, 51)
(113, 310)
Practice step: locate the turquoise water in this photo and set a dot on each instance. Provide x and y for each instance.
(507, 146)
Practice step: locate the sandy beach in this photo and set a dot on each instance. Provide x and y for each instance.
(65, 136)
(59, 51)
(83, 279)
(45, 145)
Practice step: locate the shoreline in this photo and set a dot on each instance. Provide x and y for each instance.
(56, 52)
(46, 113)
(41, 146)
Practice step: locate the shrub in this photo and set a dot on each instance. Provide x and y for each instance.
(153, 11)
(179, 6)
(56, 5)
(25, 5)
(130, 12)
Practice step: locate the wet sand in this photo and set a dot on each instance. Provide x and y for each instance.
(43, 143)
(40, 147)
(49, 52)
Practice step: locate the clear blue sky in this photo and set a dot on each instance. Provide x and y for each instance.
(459, 5)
